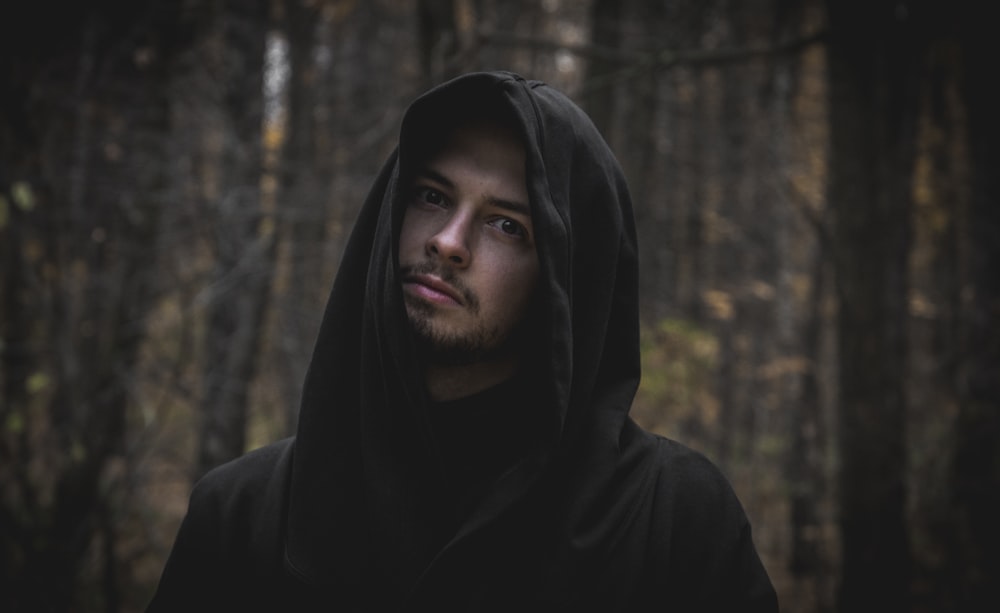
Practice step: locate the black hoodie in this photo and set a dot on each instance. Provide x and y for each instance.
(385, 501)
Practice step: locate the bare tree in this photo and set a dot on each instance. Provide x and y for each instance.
(231, 51)
(82, 187)
(976, 454)
(874, 59)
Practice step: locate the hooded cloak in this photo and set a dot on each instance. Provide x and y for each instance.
(386, 501)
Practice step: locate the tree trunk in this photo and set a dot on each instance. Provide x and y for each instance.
(874, 57)
(242, 248)
(86, 183)
(605, 32)
(307, 157)
(977, 454)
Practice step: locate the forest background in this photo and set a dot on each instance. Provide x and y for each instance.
(816, 191)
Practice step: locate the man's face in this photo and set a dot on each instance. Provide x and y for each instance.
(467, 254)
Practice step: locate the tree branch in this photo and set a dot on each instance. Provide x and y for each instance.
(663, 58)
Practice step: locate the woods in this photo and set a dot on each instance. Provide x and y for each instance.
(816, 198)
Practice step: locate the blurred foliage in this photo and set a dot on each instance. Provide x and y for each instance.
(676, 396)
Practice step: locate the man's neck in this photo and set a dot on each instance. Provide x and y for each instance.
(452, 382)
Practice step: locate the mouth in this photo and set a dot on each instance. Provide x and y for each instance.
(432, 289)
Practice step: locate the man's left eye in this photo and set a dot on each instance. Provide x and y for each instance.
(511, 227)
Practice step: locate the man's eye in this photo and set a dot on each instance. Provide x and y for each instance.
(430, 196)
(511, 227)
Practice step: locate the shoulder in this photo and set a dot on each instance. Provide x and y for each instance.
(700, 534)
(689, 475)
(681, 476)
(248, 473)
(244, 488)
(231, 534)
(237, 507)
(692, 497)
(690, 503)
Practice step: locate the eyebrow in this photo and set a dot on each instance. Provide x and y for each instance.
(513, 206)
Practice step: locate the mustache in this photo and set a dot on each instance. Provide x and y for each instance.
(446, 274)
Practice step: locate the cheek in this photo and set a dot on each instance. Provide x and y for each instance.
(520, 281)
(408, 233)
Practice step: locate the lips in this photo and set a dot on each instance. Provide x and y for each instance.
(432, 289)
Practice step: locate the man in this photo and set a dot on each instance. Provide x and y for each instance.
(464, 441)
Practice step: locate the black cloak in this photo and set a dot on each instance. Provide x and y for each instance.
(357, 512)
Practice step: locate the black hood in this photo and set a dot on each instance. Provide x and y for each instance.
(366, 479)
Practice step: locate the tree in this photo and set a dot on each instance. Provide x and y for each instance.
(977, 455)
(231, 50)
(874, 59)
(82, 188)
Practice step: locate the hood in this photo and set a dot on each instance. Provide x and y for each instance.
(365, 476)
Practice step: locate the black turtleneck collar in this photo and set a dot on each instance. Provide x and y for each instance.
(483, 435)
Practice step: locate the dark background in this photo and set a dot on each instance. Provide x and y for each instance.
(816, 192)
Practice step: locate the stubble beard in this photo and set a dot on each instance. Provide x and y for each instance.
(448, 348)
(444, 347)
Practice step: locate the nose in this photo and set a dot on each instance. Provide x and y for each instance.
(450, 242)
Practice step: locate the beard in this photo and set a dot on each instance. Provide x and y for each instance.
(445, 347)
(449, 348)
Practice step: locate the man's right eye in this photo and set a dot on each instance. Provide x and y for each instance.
(430, 196)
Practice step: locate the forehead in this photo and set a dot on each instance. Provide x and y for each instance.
(483, 139)
(484, 164)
